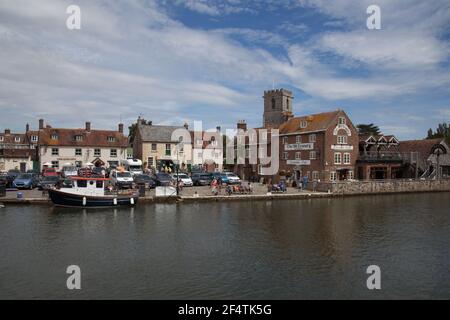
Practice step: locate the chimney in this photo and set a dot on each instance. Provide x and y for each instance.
(41, 124)
(27, 128)
(242, 124)
(186, 126)
(7, 131)
(121, 127)
(88, 126)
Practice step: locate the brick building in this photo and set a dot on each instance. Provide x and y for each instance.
(321, 146)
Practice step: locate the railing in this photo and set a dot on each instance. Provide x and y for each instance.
(388, 156)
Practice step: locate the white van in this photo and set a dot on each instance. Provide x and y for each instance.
(134, 166)
(122, 179)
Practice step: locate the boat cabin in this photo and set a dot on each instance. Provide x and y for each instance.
(87, 186)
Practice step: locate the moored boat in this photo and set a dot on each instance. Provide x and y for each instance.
(91, 192)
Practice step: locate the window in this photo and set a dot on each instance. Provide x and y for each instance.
(55, 164)
(315, 175)
(1, 138)
(55, 152)
(154, 147)
(34, 138)
(113, 153)
(342, 139)
(168, 149)
(341, 120)
(298, 155)
(287, 103)
(99, 184)
(150, 162)
(312, 155)
(82, 183)
(351, 176)
(333, 176)
(54, 136)
(78, 138)
(303, 124)
(78, 152)
(97, 152)
(285, 140)
(199, 142)
(337, 158)
(273, 103)
(285, 155)
(16, 139)
(346, 158)
(312, 138)
(298, 139)
(111, 139)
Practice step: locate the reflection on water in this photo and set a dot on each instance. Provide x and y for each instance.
(316, 248)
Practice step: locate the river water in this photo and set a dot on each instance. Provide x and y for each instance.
(287, 249)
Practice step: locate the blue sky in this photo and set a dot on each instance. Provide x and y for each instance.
(176, 61)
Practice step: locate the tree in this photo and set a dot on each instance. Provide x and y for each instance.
(132, 132)
(366, 129)
(442, 131)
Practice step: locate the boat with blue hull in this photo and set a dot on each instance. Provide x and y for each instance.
(91, 192)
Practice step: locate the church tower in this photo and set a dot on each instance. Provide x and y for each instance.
(277, 107)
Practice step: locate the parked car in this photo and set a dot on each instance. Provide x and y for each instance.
(201, 179)
(163, 179)
(25, 181)
(48, 172)
(145, 179)
(10, 176)
(222, 176)
(232, 178)
(47, 182)
(69, 171)
(122, 179)
(183, 177)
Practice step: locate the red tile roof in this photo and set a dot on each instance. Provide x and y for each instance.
(92, 138)
(315, 122)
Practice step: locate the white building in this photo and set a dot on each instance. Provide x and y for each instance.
(81, 146)
(16, 151)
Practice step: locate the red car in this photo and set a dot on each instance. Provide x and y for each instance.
(49, 172)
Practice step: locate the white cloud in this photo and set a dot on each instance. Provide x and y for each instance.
(132, 58)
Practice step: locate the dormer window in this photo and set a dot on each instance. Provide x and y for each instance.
(34, 138)
(54, 136)
(16, 139)
(303, 124)
(111, 139)
(78, 138)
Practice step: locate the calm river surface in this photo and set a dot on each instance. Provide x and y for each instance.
(306, 249)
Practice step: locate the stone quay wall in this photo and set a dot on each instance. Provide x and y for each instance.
(379, 187)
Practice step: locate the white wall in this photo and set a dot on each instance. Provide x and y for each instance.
(10, 164)
(67, 154)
